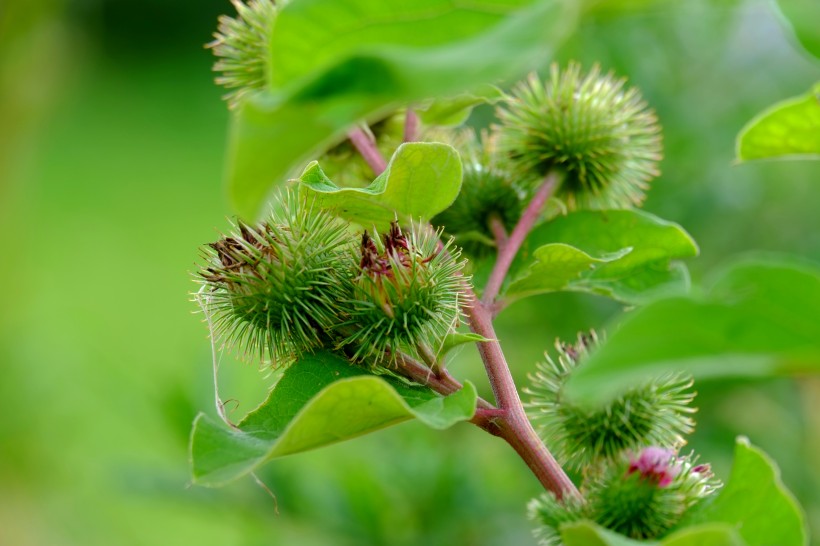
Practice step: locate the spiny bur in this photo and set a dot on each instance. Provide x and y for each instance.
(655, 412)
(272, 290)
(599, 134)
(405, 291)
(488, 194)
(241, 45)
(639, 495)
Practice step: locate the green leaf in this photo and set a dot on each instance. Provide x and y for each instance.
(320, 400)
(788, 130)
(622, 254)
(587, 533)
(421, 180)
(454, 111)
(759, 319)
(755, 502)
(804, 18)
(336, 62)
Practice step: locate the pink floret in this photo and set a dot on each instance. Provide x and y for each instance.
(657, 464)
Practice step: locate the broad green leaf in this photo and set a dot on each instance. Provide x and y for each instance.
(622, 254)
(759, 319)
(336, 62)
(454, 111)
(755, 502)
(804, 18)
(421, 180)
(459, 338)
(320, 400)
(788, 130)
(586, 533)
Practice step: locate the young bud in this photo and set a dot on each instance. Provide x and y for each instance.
(272, 290)
(600, 135)
(487, 195)
(241, 45)
(404, 291)
(655, 412)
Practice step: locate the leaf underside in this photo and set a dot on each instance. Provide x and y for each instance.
(622, 254)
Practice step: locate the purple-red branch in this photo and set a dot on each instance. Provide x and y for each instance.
(499, 232)
(514, 427)
(411, 126)
(368, 150)
(507, 253)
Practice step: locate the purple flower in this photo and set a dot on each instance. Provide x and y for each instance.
(656, 464)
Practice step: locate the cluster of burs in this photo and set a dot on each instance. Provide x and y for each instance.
(624, 453)
(303, 280)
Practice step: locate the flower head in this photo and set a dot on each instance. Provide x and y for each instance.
(272, 289)
(402, 291)
(653, 412)
(241, 45)
(488, 194)
(598, 133)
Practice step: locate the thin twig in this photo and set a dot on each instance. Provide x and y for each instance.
(516, 239)
(368, 150)
(411, 126)
(499, 232)
(444, 384)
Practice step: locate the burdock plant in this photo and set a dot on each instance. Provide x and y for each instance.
(361, 311)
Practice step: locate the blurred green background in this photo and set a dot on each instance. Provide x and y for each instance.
(111, 153)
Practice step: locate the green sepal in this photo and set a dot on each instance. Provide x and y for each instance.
(459, 338)
(421, 180)
(320, 400)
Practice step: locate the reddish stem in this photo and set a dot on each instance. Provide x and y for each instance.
(368, 150)
(516, 239)
(499, 232)
(514, 426)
